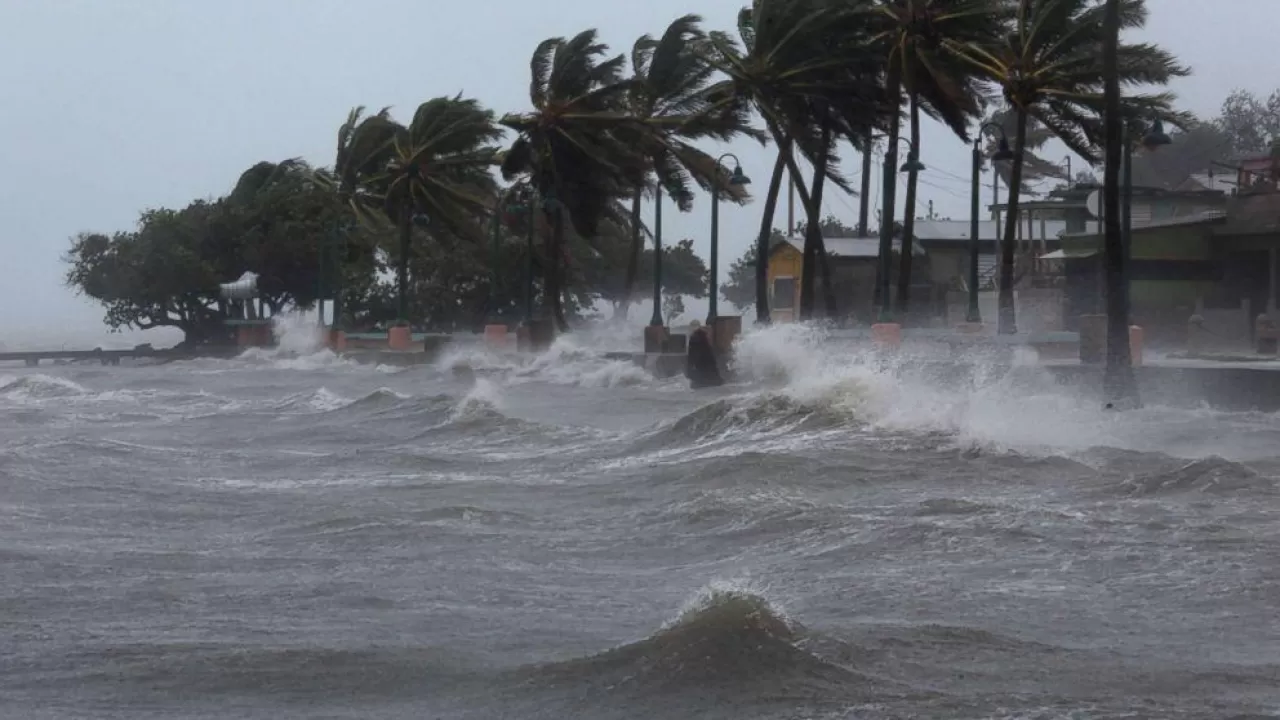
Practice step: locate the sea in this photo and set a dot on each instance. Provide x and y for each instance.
(289, 534)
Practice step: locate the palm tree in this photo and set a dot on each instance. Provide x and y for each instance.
(667, 90)
(804, 66)
(1034, 167)
(918, 36)
(578, 147)
(435, 172)
(1049, 68)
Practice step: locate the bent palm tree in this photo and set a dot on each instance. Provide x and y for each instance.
(803, 65)
(578, 147)
(436, 170)
(667, 90)
(917, 36)
(1049, 68)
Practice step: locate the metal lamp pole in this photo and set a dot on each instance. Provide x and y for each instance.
(656, 319)
(974, 314)
(735, 179)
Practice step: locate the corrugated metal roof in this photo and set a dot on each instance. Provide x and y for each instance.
(855, 247)
(956, 230)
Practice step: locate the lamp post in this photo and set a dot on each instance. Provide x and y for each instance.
(884, 283)
(1067, 160)
(1118, 379)
(974, 314)
(737, 178)
(656, 319)
(495, 225)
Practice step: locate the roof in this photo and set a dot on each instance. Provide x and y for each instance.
(243, 289)
(957, 230)
(1205, 217)
(852, 247)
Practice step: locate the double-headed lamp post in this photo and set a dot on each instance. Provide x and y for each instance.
(886, 221)
(1003, 153)
(736, 179)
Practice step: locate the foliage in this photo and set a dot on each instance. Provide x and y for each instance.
(1251, 125)
(1048, 68)
(166, 272)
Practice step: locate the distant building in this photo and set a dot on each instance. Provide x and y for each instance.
(853, 272)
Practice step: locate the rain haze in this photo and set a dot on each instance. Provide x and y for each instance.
(861, 510)
(114, 107)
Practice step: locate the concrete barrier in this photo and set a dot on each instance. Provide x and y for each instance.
(655, 338)
(495, 336)
(887, 335)
(399, 337)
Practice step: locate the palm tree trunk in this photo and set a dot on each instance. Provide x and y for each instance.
(893, 88)
(1119, 385)
(402, 268)
(909, 218)
(1008, 324)
(814, 226)
(820, 252)
(552, 285)
(762, 240)
(863, 204)
(633, 258)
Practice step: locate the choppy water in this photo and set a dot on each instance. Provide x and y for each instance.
(280, 537)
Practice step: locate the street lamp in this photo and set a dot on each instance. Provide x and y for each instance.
(1003, 153)
(655, 320)
(736, 179)
(1067, 160)
(886, 219)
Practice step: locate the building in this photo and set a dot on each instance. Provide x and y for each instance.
(1219, 263)
(853, 272)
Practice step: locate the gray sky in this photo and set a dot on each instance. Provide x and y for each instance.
(112, 106)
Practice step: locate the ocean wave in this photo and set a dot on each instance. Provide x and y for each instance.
(728, 643)
(1212, 475)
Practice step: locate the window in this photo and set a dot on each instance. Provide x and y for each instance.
(784, 293)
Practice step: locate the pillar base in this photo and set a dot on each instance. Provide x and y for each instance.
(1136, 337)
(337, 341)
(495, 336)
(655, 338)
(400, 337)
(887, 335)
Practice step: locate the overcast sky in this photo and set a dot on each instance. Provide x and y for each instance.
(112, 106)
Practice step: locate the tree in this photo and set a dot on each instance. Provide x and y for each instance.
(740, 286)
(1034, 167)
(918, 37)
(807, 69)
(1048, 68)
(667, 90)
(436, 174)
(1251, 125)
(583, 154)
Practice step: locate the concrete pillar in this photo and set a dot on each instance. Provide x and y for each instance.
(655, 338)
(495, 336)
(887, 335)
(399, 337)
(338, 341)
(1136, 343)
